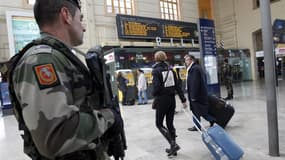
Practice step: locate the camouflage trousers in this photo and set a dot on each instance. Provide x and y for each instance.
(229, 87)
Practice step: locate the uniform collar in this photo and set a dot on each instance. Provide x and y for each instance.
(46, 34)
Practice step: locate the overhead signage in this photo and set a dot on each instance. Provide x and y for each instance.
(208, 37)
(135, 27)
(209, 54)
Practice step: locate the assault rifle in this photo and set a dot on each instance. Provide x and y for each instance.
(96, 64)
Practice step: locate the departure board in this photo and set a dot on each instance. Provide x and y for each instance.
(135, 27)
(140, 29)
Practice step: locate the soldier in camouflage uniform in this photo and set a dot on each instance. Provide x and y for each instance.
(55, 94)
(227, 76)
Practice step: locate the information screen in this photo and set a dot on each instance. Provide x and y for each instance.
(135, 27)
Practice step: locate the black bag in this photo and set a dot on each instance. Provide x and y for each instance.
(131, 102)
(154, 103)
(221, 110)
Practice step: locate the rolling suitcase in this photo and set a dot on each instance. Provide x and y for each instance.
(219, 142)
(221, 110)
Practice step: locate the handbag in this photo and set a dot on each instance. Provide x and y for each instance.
(155, 101)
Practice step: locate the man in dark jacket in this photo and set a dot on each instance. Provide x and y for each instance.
(197, 91)
(164, 86)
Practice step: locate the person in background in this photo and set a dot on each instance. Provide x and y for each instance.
(52, 94)
(142, 87)
(197, 91)
(164, 86)
(122, 85)
(227, 75)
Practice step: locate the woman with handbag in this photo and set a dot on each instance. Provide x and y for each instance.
(164, 86)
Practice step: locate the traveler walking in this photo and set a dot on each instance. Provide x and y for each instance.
(164, 87)
(197, 91)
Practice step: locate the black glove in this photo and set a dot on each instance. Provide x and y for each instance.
(117, 144)
(116, 147)
(117, 127)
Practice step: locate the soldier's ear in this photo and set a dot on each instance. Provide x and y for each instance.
(65, 15)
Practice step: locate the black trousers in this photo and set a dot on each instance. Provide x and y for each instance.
(166, 109)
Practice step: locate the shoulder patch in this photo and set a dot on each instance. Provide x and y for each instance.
(46, 75)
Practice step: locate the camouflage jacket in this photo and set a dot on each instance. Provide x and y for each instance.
(57, 103)
(227, 71)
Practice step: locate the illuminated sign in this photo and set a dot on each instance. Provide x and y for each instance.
(110, 57)
(135, 27)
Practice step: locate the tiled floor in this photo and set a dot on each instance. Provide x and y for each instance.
(248, 128)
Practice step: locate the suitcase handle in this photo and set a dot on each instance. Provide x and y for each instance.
(208, 138)
(203, 129)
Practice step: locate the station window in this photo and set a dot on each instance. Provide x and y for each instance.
(256, 3)
(120, 6)
(31, 2)
(169, 9)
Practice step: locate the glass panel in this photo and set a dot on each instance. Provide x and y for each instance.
(166, 16)
(175, 12)
(122, 10)
(211, 69)
(171, 17)
(174, 7)
(166, 10)
(109, 2)
(161, 10)
(175, 17)
(31, 2)
(122, 3)
(129, 11)
(109, 9)
(116, 3)
(116, 10)
(128, 5)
